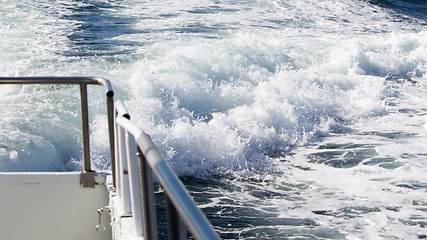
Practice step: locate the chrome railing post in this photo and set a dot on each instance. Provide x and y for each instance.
(111, 133)
(85, 127)
(119, 110)
(123, 174)
(117, 167)
(134, 186)
(176, 227)
(147, 197)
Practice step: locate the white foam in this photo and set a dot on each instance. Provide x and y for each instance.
(260, 97)
(234, 88)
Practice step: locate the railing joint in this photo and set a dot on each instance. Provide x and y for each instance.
(87, 179)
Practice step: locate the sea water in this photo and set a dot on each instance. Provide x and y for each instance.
(285, 119)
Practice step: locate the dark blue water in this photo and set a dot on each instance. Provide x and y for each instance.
(96, 30)
(411, 8)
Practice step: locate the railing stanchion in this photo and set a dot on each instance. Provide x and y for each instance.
(176, 227)
(133, 174)
(147, 197)
(117, 167)
(85, 127)
(124, 190)
(111, 131)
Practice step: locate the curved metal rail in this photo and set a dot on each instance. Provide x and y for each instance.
(83, 82)
(180, 207)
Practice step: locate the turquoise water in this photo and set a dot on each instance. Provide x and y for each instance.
(286, 120)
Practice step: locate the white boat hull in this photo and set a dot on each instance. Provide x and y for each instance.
(52, 206)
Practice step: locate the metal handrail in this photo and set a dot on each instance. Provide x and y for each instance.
(132, 165)
(83, 82)
(181, 205)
